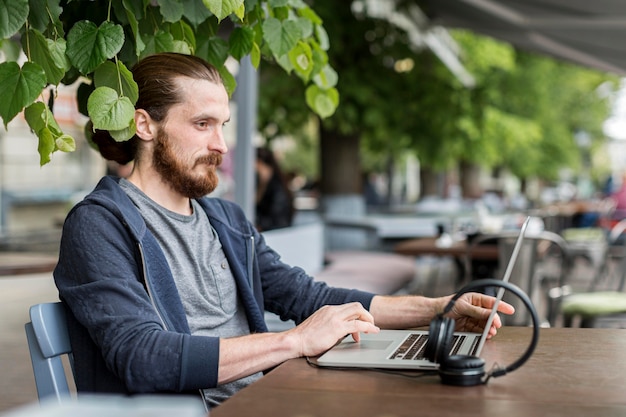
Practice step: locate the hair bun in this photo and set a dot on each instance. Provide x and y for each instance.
(120, 152)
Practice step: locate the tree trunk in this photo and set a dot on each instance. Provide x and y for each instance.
(431, 184)
(469, 177)
(340, 164)
(341, 189)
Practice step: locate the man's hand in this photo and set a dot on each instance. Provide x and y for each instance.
(325, 327)
(471, 312)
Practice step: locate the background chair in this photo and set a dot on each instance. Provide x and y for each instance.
(599, 305)
(544, 262)
(48, 341)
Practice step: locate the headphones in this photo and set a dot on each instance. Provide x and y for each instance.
(467, 370)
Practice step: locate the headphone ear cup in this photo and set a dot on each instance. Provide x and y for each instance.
(462, 370)
(440, 336)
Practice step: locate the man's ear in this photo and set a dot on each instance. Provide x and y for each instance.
(146, 127)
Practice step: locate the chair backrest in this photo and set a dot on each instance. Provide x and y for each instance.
(525, 269)
(617, 251)
(48, 340)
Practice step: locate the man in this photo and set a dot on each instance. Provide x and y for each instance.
(166, 289)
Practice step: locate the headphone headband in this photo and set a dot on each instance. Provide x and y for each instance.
(481, 283)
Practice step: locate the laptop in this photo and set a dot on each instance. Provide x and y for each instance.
(404, 349)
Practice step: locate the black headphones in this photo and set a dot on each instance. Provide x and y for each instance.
(467, 370)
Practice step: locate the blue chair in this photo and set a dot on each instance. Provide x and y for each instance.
(48, 340)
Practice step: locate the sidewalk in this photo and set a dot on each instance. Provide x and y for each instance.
(17, 294)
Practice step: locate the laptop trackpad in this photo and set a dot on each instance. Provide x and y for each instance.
(365, 345)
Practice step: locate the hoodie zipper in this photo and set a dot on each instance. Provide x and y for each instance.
(250, 263)
(145, 275)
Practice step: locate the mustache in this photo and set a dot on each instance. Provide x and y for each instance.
(214, 159)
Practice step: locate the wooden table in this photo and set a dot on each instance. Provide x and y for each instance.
(17, 263)
(458, 249)
(573, 372)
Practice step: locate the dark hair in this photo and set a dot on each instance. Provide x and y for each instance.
(276, 206)
(266, 156)
(155, 75)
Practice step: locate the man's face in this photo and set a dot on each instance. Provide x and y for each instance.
(189, 145)
(174, 168)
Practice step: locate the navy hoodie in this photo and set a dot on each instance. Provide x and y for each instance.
(127, 325)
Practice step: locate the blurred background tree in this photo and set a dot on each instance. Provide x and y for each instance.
(521, 114)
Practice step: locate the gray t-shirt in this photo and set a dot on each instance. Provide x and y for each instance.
(202, 274)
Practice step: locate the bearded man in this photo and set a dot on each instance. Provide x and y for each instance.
(166, 288)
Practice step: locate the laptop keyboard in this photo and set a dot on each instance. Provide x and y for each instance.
(414, 345)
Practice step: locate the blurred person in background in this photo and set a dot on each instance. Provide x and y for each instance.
(274, 199)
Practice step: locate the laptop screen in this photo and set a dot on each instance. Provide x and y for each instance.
(505, 278)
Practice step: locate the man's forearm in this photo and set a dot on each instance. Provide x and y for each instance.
(401, 312)
(246, 355)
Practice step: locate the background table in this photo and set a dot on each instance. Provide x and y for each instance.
(484, 253)
(589, 383)
(458, 249)
(17, 263)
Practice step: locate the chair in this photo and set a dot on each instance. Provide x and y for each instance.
(48, 341)
(532, 272)
(591, 306)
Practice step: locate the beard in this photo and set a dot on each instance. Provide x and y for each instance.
(180, 174)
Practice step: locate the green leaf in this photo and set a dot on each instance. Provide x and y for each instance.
(281, 13)
(181, 47)
(216, 51)
(326, 78)
(44, 16)
(46, 145)
(13, 15)
(285, 63)
(36, 116)
(48, 54)
(240, 42)
(322, 37)
(39, 116)
(322, 102)
(278, 3)
(109, 111)
(230, 83)
(196, 12)
(320, 57)
(181, 31)
(171, 10)
(223, 8)
(57, 50)
(240, 11)
(134, 26)
(65, 143)
(301, 59)
(38, 16)
(42, 122)
(88, 45)
(124, 134)
(306, 27)
(308, 13)
(255, 55)
(161, 42)
(19, 87)
(111, 75)
(281, 36)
